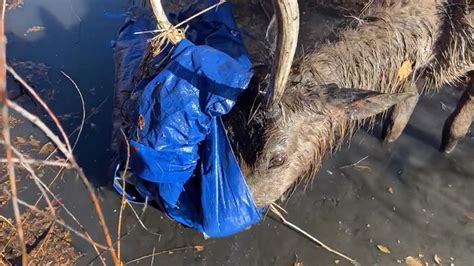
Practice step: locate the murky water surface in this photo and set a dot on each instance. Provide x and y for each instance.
(407, 196)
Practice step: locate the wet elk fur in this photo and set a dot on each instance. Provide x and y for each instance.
(283, 145)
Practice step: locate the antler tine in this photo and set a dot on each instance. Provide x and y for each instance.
(288, 21)
(163, 22)
(160, 15)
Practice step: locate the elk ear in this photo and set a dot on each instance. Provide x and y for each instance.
(360, 104)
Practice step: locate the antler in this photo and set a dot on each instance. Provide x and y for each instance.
(288, 21)
(163, 22)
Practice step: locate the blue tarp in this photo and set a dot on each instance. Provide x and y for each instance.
(181, 156)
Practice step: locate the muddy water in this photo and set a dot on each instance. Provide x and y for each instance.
(406, 196)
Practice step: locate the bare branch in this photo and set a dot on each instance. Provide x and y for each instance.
(38, 162)
(124, 200)
(6, 137)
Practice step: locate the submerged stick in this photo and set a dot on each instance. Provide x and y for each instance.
(312, 238)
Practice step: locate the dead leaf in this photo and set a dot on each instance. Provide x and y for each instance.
(390, 190)
(34, 29)
(141, 122)
(384, 249)
(47, 148)
(470, 216)
(34, 142)
(405, 70)
(438, 260)
(19, 140)
(298, 263)
(412, 261)
(198, 248)
(337, 261)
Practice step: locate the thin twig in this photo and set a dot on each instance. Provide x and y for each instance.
(33, 208)
(77, 129)
(153, 257)
(67, 151)
(6, 137)
(37, 122)
(44, 188)
(199, 13)
(312, 238)
(87, 235)
(159, 253)
(83, 119)
(43, 104)
(354, 164)
(124, 201)
(36, 179)
(38, 162)
(100, 214)
(140, 221)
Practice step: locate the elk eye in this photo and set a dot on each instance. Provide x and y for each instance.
(277, 160)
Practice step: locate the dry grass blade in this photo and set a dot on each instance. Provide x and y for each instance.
(170, 251)
(83, 118)
(124, 201)
(312, 238)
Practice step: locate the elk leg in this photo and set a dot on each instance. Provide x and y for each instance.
(458, 123)
(401, 114)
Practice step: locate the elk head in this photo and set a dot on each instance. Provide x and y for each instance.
(298, 121)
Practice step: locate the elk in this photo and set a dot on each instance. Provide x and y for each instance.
(308, 106)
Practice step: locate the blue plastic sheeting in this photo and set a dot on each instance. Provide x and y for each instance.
(181, 156)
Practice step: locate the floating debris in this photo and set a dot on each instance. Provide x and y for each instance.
(47, 148)
(412, 261)
(14, 4)
(384, 249)
(34, 29)
(438, 259)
